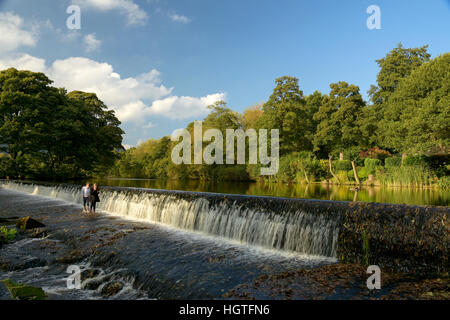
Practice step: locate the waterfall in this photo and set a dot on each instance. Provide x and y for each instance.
(302, 226)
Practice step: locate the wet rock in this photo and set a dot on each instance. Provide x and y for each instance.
(28, 223)
(111, 289)
(90, 273)
(37, 232)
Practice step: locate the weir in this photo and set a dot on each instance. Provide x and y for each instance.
(399, 237)
(302, 226)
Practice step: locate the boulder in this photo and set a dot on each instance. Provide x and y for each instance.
(28, 223)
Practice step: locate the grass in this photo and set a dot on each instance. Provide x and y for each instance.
(407, 176)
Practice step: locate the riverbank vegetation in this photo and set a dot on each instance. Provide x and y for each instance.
(400, 137)
(48, 133)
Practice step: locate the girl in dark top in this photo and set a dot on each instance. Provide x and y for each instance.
(93, 198)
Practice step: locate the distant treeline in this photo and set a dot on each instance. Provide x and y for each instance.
(400, 137)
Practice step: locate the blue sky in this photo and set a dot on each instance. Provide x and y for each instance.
(158, 63)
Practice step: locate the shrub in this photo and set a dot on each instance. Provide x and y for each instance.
(415, 161)
(393, 162)
(342, 165)
(374, 153)
(363, 173)
(6, 234)
(371, 165)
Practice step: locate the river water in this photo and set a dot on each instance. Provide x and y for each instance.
(412, 196)
(158, 244)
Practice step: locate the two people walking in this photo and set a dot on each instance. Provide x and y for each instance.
(90, 197)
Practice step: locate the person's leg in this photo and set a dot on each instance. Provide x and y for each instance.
(85, 204)
(93, 206)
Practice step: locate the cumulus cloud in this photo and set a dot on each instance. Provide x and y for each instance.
(180, 18)
(174, 107)
(13, 33)
(23, 61)
(91, 43)
(126, 96)
(135, 15)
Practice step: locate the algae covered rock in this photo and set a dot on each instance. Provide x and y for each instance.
(111, 289)
(28, 223)
(22, 291)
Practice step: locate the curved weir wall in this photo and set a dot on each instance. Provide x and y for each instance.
(274, 223)
(399, 237)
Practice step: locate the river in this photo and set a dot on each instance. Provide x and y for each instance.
(412, 196)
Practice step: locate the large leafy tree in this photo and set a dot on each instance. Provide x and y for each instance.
(338, 119)
(395, 66)
(26, 104)
(49, 133)
(417, 115)
(285, 110)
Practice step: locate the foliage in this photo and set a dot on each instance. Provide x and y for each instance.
(286, 111)
(342, 165)
(47, 133)
(22, 291)
(337, 118)
(393, 162)
(414, 176)
(417, 116)
(371, 165)
(374, 153)
(418, 160)
(6, 234)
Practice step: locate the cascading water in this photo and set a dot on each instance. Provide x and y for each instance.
(285, 224)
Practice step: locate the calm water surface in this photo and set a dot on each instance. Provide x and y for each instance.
(414, 196)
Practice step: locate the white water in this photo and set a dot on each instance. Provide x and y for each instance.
(297, 231)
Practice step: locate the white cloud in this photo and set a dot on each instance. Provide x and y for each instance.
(23, 61)
(184, 107)
(180, 18)
(91, 43)
(13, 34)
(135, 15)
(126, 96)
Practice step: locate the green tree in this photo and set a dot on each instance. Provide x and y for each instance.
(417, 116)
(285, 110)
(395, 66)
(337, 118)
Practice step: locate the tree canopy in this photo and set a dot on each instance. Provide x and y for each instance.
(47, 132)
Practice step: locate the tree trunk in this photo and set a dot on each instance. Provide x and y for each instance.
(306, 177)
(341, 155)
(331, 169)
(355, 173)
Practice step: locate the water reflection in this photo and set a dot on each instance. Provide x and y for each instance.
(312, 191)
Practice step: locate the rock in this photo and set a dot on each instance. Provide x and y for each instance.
(90, 273)
(37, 233)
(111, 289)
(28, 223)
